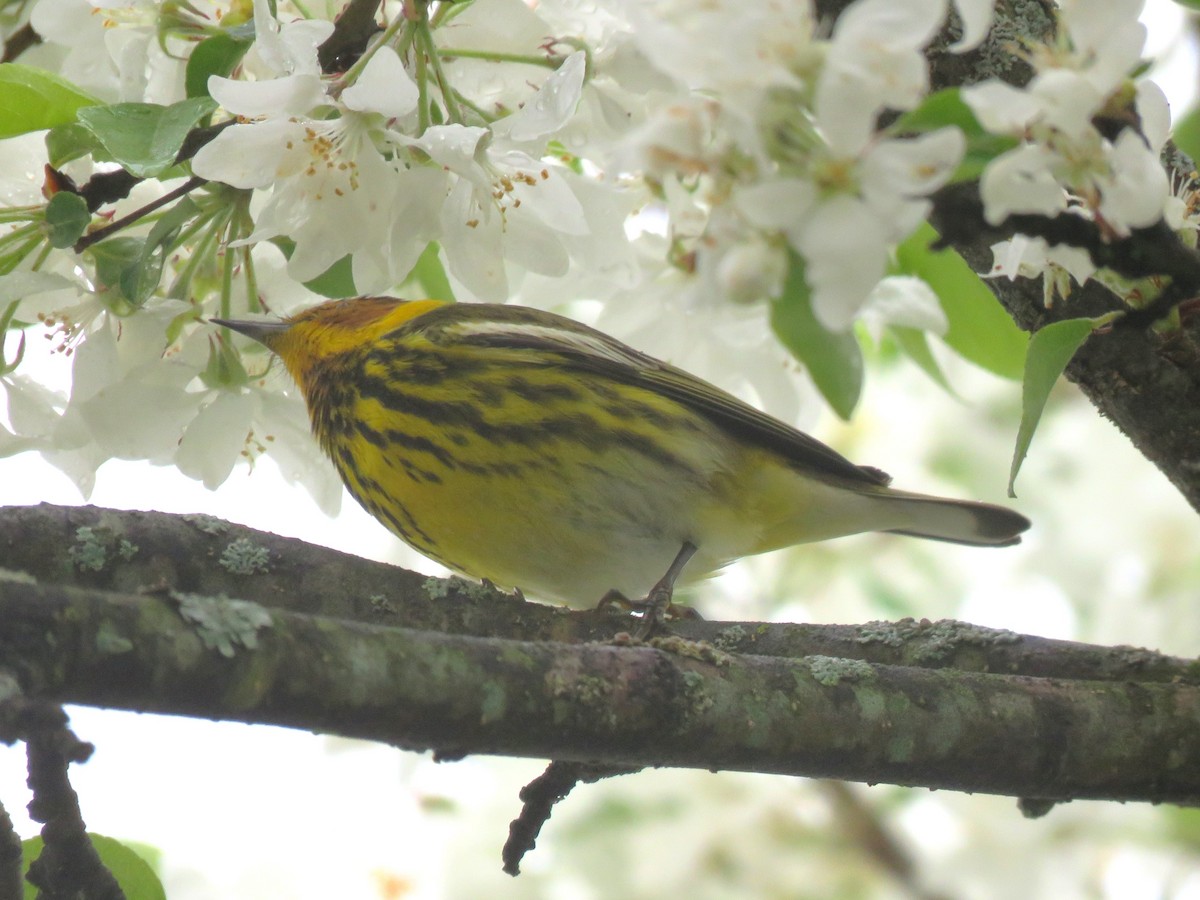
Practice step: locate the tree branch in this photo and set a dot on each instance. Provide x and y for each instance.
(68, 865)
(623, 706)
(195, 554)
(12, 880)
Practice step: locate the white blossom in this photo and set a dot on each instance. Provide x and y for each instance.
(906, 301)
(873, 62)
(332, 190)
(568, 152)
(113, 49)
(1133, 190)
(845, 231)
(1022, 181)
(502, 203)
(1062, 155)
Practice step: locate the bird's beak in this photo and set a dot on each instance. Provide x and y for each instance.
(263, 332)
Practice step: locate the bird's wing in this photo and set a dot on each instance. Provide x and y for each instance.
(577, 346)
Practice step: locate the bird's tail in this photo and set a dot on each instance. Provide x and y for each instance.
(957, 521)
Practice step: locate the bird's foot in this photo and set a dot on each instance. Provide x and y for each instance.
(656, 607)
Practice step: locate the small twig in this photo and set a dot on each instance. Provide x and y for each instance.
(125, 221)
(539, 798)
(68, 865)
(11, 880)
(20, 41)
(103, 187)
(352, 32)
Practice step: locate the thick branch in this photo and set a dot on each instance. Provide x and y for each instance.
(185, 553)
(620, 705)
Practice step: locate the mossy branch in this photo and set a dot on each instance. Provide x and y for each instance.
(134, 551)
(676, 703)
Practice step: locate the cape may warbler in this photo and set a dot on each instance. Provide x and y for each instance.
(518, 446)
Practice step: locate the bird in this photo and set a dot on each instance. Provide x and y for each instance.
(526, 449)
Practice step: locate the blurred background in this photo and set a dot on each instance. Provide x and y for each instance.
(1114, 557)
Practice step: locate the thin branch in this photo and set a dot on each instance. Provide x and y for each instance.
(863, 824)
(68, 865)
(1151, 251)
(116, 225)
(1147, 383)
(20, 41)
(12, 879)
(110, 186)
(538, 799)
(352, 32)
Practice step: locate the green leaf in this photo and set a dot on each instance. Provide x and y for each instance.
(1186, 132)
(139, 280)
(939, 109)
(1050, 349)
(133, 266)
(217, 55)
(71, 141)
(980, 151)
(979, 328)
(833, 360)
(33, 99)
(120, 269)
(113, 256)
(915, 344)
(335, 282)
(224, 368)
(431, 276)
(67, 218)
(169, 223)
(135, 876)
(145, 137)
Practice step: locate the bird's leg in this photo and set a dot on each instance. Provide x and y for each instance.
(658, 601)
(656, 605)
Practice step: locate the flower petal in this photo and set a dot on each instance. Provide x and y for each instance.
(383, 87)
(1021, 181)
(778, 203)
(551, 107)
(247, 156)
(292, 95)
(976, 17)
(472, 241)
(213, 441)
(1135, 194)
(845, 249)
(907, 301)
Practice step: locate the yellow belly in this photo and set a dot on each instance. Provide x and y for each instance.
(563, 528)
(568, 500)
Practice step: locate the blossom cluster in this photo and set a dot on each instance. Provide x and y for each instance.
(656, 157)
(1063, 161)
